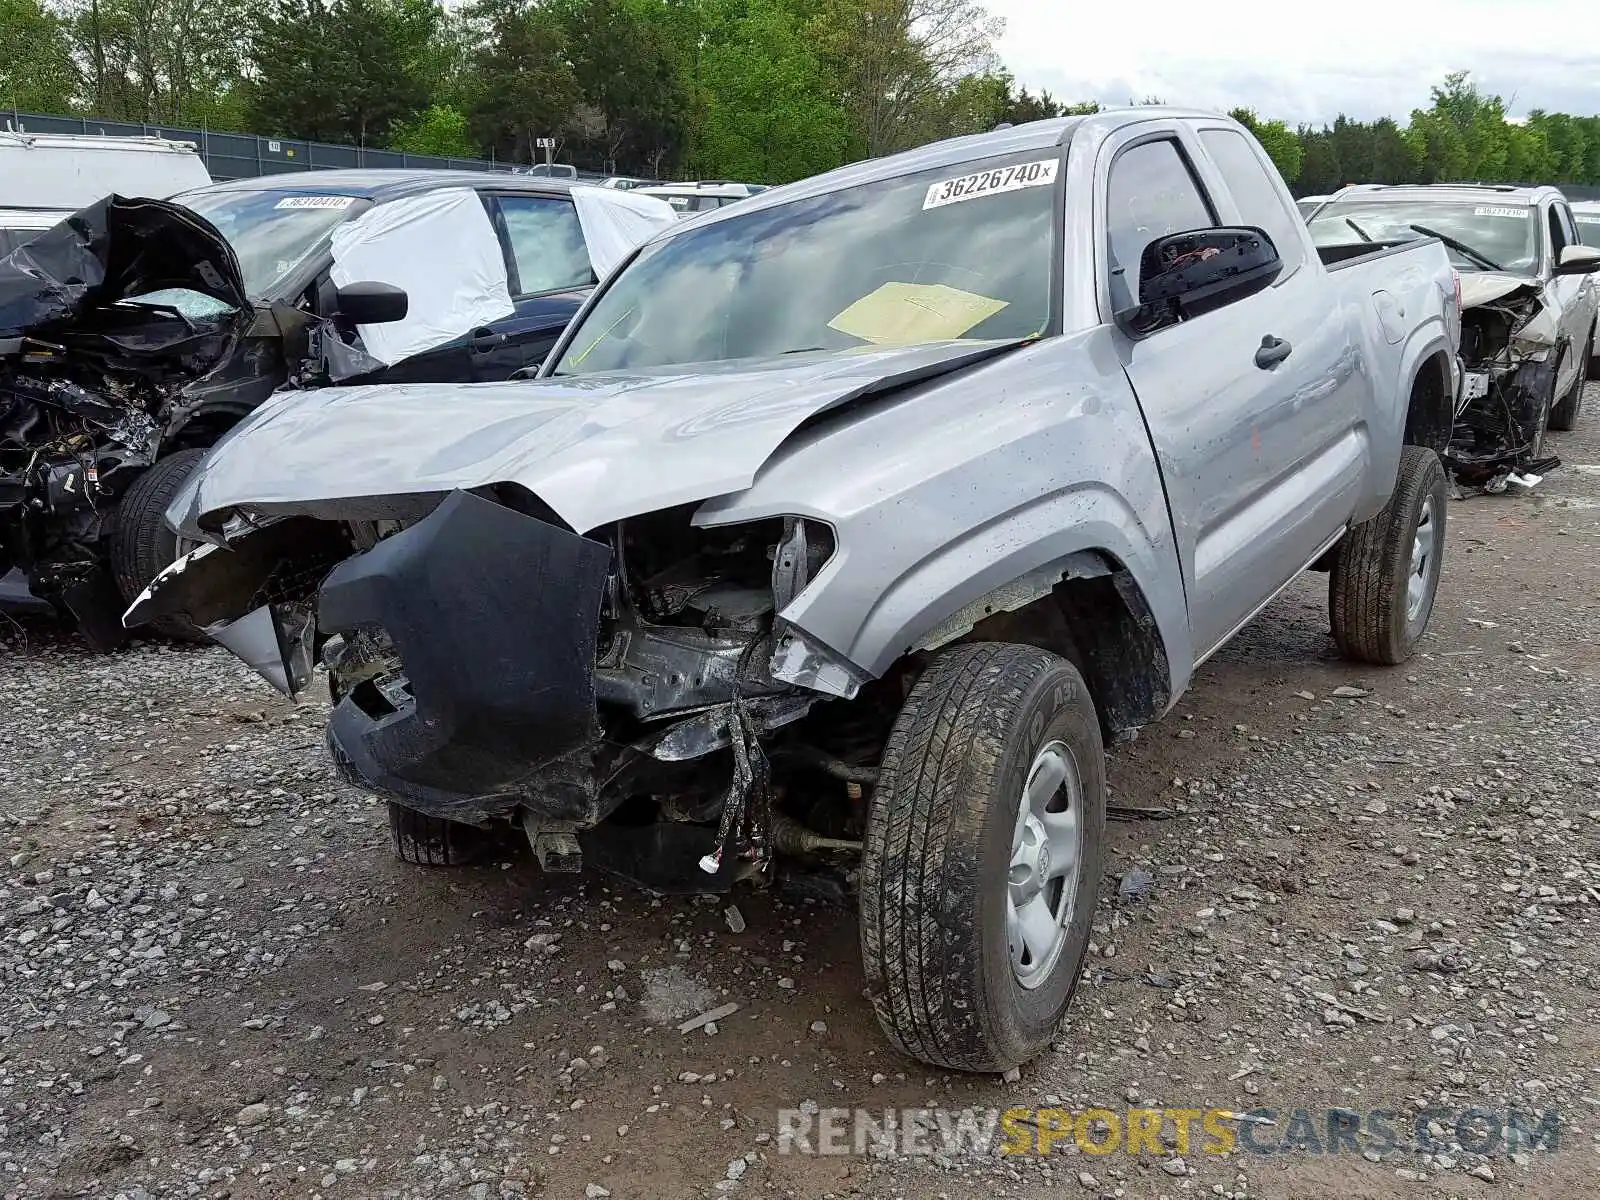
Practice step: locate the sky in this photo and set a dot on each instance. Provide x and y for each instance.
(1307, 62)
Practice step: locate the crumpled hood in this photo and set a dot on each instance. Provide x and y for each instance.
(114, 249)
(595, 448)
(1485, 287)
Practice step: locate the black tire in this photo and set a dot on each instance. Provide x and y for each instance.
(938, 851)
(141, 544)
(1368, 588)
(1564, 416)
(434, 842)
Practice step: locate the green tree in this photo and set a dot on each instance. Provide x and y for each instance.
(341, 70)
(36, 68)
(1277, 139)
(440, 130)
(770, 114)
(625, 59)
(895, 62)
(521, 85)
(162, 61)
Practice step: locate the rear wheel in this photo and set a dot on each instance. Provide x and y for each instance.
(141, 544)
(1386, 570)
(982, 858)
(1564, 415)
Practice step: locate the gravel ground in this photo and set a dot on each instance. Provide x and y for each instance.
(1379, 889)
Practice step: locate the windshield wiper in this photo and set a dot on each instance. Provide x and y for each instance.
(1360, 232)
(1459, 247)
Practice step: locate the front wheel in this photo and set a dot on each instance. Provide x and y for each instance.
(1564, 416)
(982, 857)
(141, 544)
(1386, 570)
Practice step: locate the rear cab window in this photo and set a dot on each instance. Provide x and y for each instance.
(1151, 192)
(1256, 193)
(544, 243)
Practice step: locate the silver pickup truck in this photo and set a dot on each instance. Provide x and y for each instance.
(845, 526)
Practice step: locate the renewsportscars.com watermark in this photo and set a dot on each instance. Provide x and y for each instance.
(955, 1132)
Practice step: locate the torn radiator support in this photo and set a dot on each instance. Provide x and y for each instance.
(699, 734)
(747, 805)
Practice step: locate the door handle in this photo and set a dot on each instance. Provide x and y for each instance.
(1273, 351)
(485, 340)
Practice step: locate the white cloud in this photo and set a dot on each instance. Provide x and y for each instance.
(1308, 63)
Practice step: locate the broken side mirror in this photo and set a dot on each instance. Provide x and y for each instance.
(371, 303)
(1185, 274)
(1579, 260)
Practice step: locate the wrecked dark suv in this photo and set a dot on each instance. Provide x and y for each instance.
(841, 531)
(137, 332)
(1529, 300)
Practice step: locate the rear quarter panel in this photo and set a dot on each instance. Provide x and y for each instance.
(942, 494)
(1398, 301)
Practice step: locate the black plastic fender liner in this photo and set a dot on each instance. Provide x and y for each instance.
(495, 617)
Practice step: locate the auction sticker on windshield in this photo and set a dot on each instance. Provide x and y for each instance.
(990, 183)
(1491, 210)
(315, 202)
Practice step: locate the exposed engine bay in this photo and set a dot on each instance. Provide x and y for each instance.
(1508, 347)
(100, 369)
(660, 746)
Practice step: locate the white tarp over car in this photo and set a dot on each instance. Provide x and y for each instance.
(615, 222)
(442, 249)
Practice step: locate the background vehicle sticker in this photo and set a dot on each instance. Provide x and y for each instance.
(315, 202)
(1490, 210)
(990, 183)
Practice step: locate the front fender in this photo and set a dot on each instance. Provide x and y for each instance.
(943, 496)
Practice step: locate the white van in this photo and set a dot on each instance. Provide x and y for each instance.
(45, 176)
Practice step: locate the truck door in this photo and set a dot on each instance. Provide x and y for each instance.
(1254, 408)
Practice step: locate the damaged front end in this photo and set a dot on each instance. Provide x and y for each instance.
(88, 367)
(1509, 351)
(629, 699)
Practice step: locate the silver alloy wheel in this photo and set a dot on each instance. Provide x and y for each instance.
(1424, 544)
(1046, 851)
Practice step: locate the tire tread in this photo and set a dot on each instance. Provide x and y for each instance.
(1366, 582)
(948, 742)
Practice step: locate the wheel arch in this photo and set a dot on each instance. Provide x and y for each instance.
(1430, 403)
(1089, 609)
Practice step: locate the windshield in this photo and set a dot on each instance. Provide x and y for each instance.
(272, 232)
(959, 252)
(1588, 226)
(1488, 235)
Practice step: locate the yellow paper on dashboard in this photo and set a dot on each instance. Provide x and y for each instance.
(902, 314)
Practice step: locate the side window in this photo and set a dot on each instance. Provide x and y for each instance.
(1569, 229)
(1588, 225)
(1256, 193)
(547, 246)
(1151, 193)
(1558, 236)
